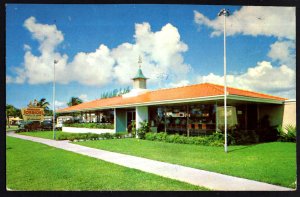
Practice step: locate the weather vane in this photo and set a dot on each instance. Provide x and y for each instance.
(140, 61)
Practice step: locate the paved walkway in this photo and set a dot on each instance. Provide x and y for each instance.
(211, 180)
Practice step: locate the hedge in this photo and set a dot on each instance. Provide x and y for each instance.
(91, 125)
(91, 136)
(216, 139)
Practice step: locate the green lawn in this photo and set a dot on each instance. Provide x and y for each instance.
(12, 128)
(269, 162)
(42, 134)
(34, 166)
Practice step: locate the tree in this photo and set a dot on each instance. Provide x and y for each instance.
(49, 112)
(74, 101)
(10, 110)
(43, 103)
(115, 92)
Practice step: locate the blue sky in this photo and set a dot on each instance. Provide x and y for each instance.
(97, 47)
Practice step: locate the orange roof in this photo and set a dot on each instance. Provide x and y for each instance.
(186, 92)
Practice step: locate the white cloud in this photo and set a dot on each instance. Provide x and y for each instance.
(83, 97)
(93, 68)
(254, 20)
(284, 52)
(179, 84)
(26, 47)
(161, 51)
(60, 104)
(47, 35)
(264, 77)
(39, 69)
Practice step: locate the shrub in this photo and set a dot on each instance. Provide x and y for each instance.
(83, 136)
(107, 136)
(71, 138)
(245, 137)
(145, 128)
(216, 139)
(289, 135)
(200, 140)
(171, 138)
(90, 136)
(133, 129)
(78, 136)
(161, 136)
(93, 136)
(91, 125)
(150, 136)
(62, 136)
(119, 135)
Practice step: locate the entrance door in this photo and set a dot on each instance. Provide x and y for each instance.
(130, 116)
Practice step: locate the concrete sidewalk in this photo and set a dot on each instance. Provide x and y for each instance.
(211, 180)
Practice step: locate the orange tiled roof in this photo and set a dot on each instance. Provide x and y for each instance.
(185, 92)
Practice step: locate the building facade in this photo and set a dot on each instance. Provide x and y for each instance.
(189, 110)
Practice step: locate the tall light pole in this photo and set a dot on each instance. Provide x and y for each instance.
(225, 13)
(53, 96)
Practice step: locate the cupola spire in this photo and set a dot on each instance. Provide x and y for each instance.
(139, 81)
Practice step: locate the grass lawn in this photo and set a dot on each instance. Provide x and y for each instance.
(268, 162)
(34, 166)
(12, 128)
(42, 134)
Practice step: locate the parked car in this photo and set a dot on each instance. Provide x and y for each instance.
(47, 125)
(30, 126)
(59, 125)
(20, 123)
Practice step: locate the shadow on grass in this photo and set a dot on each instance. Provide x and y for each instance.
(241, 148)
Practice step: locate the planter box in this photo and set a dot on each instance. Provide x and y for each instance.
(86, 130)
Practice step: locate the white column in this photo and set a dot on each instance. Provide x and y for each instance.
(141, 114)
(115, 120)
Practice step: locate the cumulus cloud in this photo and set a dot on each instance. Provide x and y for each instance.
(254, 20)
(60, 104)
(84, 97)
(179, 84)
(26, 47)
(39, 69)
(283, 52)
(264, 77)
(47, 35)
(161, 52)
(93, 68)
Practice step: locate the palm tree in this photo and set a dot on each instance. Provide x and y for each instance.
(44, 104)
(74, 101)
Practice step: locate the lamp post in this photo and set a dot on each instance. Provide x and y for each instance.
(225, 13)
(53, 96)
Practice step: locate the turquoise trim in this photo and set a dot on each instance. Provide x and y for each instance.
(139, 75)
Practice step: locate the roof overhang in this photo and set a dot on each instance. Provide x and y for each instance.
(185, 100)
(254, 99)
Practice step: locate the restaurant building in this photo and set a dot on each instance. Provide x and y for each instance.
(189, 110)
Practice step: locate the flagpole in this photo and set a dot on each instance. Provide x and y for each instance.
(53, 101)
(225, 13)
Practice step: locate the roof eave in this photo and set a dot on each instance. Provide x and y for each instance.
(255, 99)
(185, 100)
